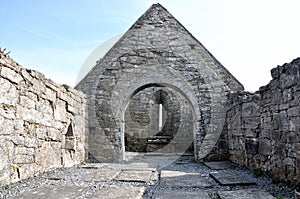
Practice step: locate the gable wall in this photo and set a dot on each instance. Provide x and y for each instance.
(155, 50)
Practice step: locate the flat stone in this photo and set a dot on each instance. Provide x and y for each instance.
(141, 167)
(134, 176)
(230, 178)
(52, 192)
(179, 194)
(92, 165)
(218, 165)
(119, 192)
(101, 176)
(183, 179)
(245, 194)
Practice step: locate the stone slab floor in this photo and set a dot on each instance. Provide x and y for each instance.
(148, 176)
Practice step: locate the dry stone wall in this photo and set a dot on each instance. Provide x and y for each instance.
(42, 124)
(264, 127)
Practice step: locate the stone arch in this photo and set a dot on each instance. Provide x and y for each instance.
(124, 102)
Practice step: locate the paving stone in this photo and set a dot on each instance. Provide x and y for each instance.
(230, 178)
(218, 165)
(101, 176)
(119, 193)
(52, 192)
(245, 194)
(179, 194)
(134, 176)
(141, 167)
(92, 165)
(183, 179)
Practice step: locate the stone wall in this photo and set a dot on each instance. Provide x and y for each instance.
(42, 124)
(157, 51)
(264, 127)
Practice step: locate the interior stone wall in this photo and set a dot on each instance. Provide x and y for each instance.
(42, 124)
(142, 131)
(264, 127)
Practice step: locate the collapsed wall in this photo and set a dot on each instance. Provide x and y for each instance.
(264, 127)
(42, 123)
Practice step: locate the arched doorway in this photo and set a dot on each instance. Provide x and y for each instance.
(160, 119)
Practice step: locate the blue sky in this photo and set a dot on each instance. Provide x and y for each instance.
(249, 37)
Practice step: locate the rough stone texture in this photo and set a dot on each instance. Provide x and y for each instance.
(230, 178)
(134, 176)
(42, 123)
(52, 192)
(119, 193)
(218, 165)
(156, 52)
(264, 127)
(245, 194)
(183, 179)
(179, 194)
(101, 176)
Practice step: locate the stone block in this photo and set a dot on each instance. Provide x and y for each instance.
(251, 146)
(11, 75)
(23, 159)
(230, 178)
(265, 147)
(250, 109)
(297, 165)
(8, 93)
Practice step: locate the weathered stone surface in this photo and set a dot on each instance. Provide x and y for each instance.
(101, 176)
(179, 194)
(119, 193)
(183, 179)
(52, 192)
(166, 59)
(269, 127)
(245, 194)
(33, 122)
(141, 166)
(230, 178)
(219, 165)
(134, 176)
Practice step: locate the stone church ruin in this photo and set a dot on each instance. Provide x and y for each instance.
(157, 90)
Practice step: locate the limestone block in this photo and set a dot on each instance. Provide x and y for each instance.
(49, 94)
(18, 140)
(7, 111)
(23, 159)
(24, 151)
(27, 102)
(30, 142)
(294, 111)
(11, 75)
(60, 112)
(26, 170)
(8, 93)
(250, 109)
(48, 156)
(7, 126)
(4, 167)
(265, 147)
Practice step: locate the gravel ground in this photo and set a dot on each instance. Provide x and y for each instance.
(74, 177)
